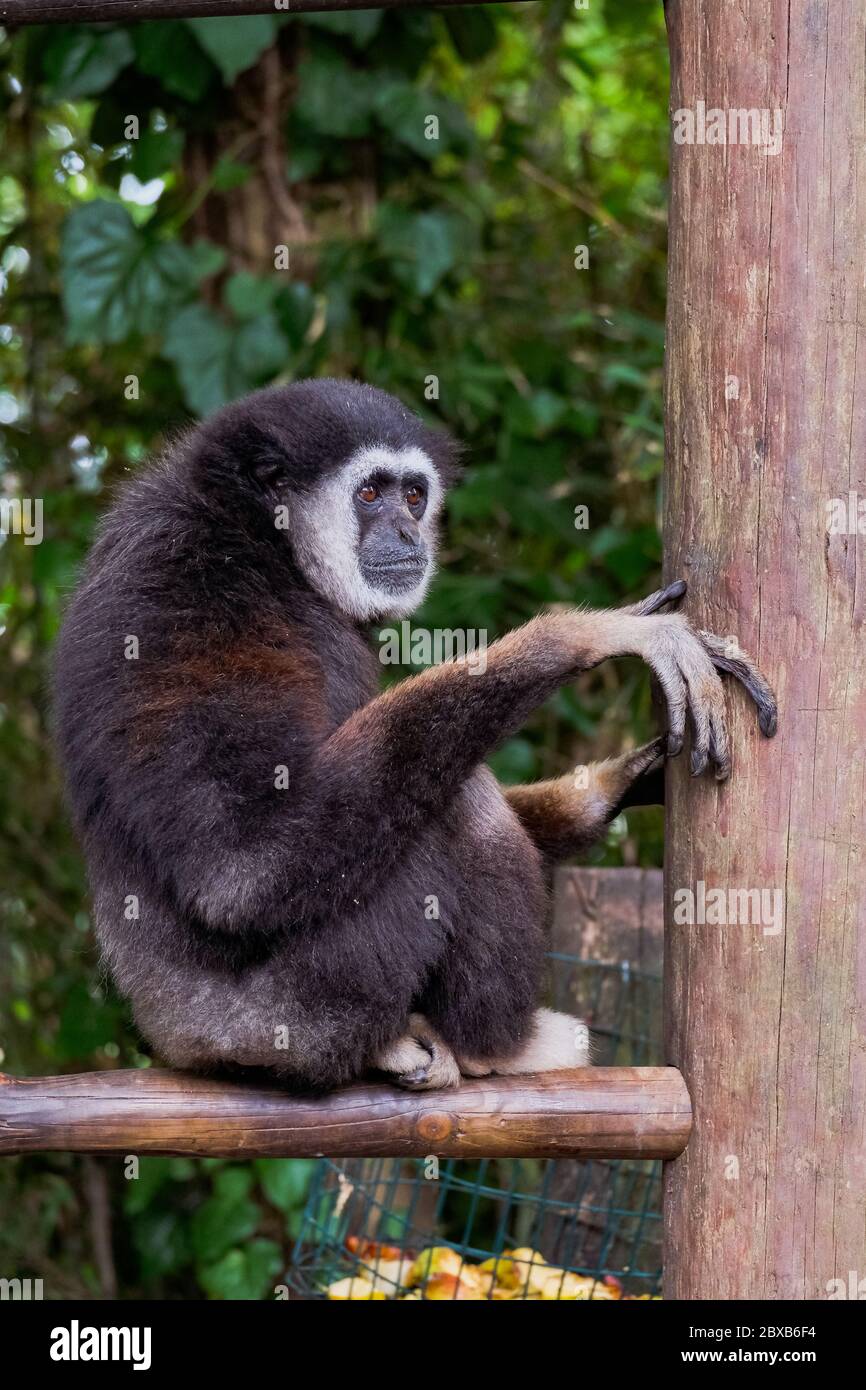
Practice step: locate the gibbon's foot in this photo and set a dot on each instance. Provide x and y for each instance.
(643, 772)
(558, 1042)
(419, 1060)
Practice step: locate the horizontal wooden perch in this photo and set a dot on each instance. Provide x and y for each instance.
(602, 1112)
(78, 11)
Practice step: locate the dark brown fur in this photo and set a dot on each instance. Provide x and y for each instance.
(297, 929)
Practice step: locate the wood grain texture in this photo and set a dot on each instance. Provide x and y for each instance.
(610, 915)
(601, 1112)
(95, 11)
(766, 292)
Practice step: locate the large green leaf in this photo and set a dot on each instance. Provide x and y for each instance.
(167, 51)
(473, 32)
(243, 1274)
(295, 307)
(404, 110)
(333, 97)
(285, 1181)
(248, 295)
(198, 343)
(161, 1240)
(155, 152)
(423, 246)
(260, 350)
(117, 280)
(81, 62)
(234, 44)
(215, 362)
(359, 26)
(221, 1222)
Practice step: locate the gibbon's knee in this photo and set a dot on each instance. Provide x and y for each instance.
(238, 1031)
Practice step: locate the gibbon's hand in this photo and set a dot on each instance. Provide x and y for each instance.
(686, 661)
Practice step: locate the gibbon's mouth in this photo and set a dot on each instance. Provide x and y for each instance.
(395, 574)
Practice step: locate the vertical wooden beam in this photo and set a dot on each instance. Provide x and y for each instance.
(766, 425)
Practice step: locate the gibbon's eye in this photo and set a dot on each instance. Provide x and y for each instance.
(368, 493)
(415, 496)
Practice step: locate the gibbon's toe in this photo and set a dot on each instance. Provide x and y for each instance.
(420, 1060)
(441, 1074)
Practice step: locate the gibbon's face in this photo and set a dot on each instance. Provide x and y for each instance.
(366, 537)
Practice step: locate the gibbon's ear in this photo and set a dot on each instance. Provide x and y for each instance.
(269, 468)
(234, 454)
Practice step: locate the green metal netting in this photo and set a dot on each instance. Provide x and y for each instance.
(595, 1218)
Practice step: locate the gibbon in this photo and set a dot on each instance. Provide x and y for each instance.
(291, 871)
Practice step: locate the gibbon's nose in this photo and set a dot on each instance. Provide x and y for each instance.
(408, 530)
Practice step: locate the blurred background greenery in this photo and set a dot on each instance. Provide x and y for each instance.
(137, 266)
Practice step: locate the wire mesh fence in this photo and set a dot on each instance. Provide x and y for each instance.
(500, 1228)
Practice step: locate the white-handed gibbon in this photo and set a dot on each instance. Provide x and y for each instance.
(290, 870)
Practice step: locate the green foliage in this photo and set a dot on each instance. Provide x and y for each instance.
(81, 62)
(141, 286)
(215, 364)
(234, 44)
(119, 281)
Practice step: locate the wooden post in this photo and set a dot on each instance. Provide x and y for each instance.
(766, 426)
(601, 1112)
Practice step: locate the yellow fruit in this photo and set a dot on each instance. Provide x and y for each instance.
(528, 1271)
(389, 1276)
(439, 1259)
(355, 1290)
(448, 1287)
(478, 1279)
(500, 1268)
(563, 1286)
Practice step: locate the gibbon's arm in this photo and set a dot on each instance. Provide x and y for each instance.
(564, 815)
(397, 763)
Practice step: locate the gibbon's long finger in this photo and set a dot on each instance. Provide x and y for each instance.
(700, 720)
(720, 748)
(743, 669)
(673, 594)
(706, 701)
(673, 687)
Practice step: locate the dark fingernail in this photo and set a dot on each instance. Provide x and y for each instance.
(675, 745)
(768, 721)
(699, 762)
(723, 772)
